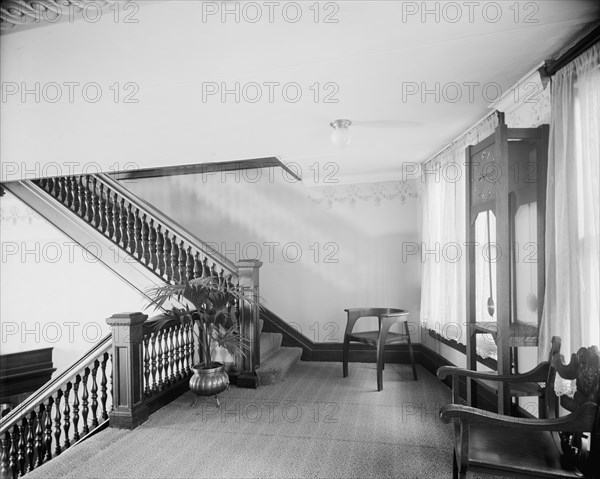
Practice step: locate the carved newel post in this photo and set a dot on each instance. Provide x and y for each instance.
(249, 320)
(129, 411)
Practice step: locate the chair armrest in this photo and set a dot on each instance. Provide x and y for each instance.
(537, 374)
(581, 420)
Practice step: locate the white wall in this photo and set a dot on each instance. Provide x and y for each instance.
(52, 292)
(323, 248)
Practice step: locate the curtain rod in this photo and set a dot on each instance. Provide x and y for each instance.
(580, 46)
(481, 120)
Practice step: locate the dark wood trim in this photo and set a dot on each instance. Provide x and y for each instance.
(488, 362)
(289, 172)
(581, 45)
(398, 353)
(200, 168)
(25, 372)
(331, 351)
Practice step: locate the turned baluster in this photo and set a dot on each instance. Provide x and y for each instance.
(145, 234)
(172, 356)
(57, 188)
(206, 269)
(184, 351)
(12, 454)
(116, 219)
(138, 234)
(103, 388)
(76, 408)
(159, 360)
(89, 200)
(130, 229)
(190, 264)
(152, 241)
(175, 261)
(190, 347)
(4, 455)
(110, 226)
(39, 436)
(82, 209)
(124, 223)
(197, 266)
(102, 215)
(182, 263)
(168, 269)
(110, 376)
(62, 195)
(94, 391)
(48, 430)
(42, 183)
(53, 188)
(57, 432)
(21, 446)
(146, 365)
(96, 198)
(230, 285)
(30, 442)
(166, 359)
(84, 402)
(153, 363)
(213, 271)
(67, 416)
(222, 281)
(70, 191)
(160, 245)
(75, 188)
(178, 354)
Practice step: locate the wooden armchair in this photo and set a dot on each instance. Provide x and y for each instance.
(551, 447)
(377, 339)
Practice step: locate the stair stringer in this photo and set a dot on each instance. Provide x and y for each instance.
(113, 257)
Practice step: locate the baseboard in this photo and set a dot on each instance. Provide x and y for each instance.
(397, 353)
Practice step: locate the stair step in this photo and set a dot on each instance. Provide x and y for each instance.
(269, 343)
(275, 368)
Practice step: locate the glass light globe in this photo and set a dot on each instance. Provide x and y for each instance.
(340, 137)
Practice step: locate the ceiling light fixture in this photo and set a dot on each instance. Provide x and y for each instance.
(340, 136)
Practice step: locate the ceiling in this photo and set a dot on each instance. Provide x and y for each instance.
(372, 65)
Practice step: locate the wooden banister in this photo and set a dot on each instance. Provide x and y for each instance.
(163, 246)
(167, 223)
(51, 419)
(54, 384)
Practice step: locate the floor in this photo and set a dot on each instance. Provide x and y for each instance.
(314, 424)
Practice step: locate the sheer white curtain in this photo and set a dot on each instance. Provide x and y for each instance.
(571, 306)
(443, 254)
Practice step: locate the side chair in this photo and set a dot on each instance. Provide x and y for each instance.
(377, 339)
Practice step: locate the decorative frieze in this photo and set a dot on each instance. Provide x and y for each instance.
(374, 193)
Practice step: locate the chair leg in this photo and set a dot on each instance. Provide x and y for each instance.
(380, 363)
(345, 357)
(410, 351)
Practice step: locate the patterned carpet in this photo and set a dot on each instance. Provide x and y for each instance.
(314, 424)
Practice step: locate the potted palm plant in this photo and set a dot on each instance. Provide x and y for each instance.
(211, 310)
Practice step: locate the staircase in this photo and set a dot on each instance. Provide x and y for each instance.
(275, 361)
(97, 209)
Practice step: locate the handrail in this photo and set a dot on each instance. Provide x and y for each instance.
(54, 384)
(173, 226)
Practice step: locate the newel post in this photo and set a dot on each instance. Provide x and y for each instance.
(249, 320)
(129, 410)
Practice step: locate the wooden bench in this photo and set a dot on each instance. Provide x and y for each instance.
(555, 446)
